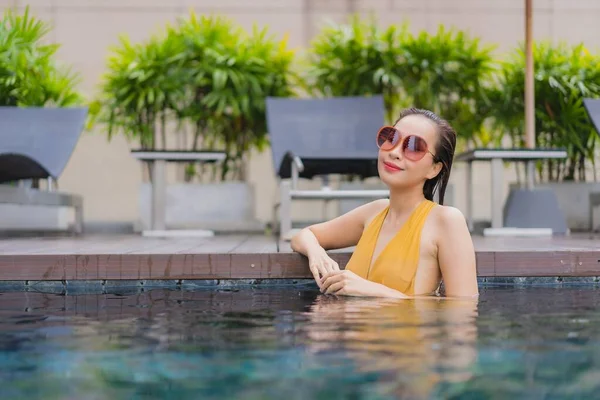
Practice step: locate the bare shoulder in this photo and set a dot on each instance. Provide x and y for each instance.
(450, 226)
(456, 255)
(346, 230)
(368, 211)
(372, 209)
(448, 218)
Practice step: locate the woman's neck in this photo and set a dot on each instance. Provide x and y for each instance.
(403, 202)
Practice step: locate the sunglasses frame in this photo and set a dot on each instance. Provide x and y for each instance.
(401, 141)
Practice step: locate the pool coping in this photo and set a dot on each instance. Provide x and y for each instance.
(288, 265)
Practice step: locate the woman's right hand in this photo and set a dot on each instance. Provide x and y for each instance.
(320, 263)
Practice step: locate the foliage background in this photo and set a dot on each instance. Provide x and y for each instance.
(207, 79)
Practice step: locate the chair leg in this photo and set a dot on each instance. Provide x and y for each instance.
(274, 218)
(594, 200)
(285, 209)
(79, 219)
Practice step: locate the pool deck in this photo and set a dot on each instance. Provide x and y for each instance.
(133, 257)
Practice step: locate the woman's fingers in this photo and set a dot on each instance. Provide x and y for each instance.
(334, 287)
(320, 268)
(314, 268)
(329, 280)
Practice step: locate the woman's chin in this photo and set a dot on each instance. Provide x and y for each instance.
(395, 181)
(390, 181)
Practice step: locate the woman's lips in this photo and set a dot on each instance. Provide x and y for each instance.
(391, 167)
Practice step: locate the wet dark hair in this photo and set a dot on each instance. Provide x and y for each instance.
(444, 151)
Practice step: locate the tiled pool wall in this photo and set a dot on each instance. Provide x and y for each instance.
(119, 286)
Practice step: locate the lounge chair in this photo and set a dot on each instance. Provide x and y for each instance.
(592, 106)
(36, 143)
(319, 137)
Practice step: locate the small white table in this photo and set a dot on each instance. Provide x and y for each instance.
(497, 157)
(159, 159)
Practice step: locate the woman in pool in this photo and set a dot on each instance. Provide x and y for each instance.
(407, 245)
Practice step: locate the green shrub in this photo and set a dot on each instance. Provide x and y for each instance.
(29, 73)
(210, 75)
(450, 72)
(232, 72)
(446, 72)
(142, 86)
(564, 75)
(357, 59)
(204, 72)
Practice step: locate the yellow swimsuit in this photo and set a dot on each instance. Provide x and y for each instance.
(396, 265)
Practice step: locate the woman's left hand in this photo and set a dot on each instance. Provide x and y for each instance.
(346, 283)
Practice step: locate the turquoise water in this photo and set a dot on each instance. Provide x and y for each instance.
(294, 343)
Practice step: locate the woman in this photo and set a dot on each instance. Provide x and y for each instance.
(407, 245)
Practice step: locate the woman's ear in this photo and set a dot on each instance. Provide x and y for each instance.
(435, 170)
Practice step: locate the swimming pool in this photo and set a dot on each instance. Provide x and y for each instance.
(294, 343)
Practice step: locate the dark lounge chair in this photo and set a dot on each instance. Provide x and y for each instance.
(319, 137)
(592, 106)
(37, 143)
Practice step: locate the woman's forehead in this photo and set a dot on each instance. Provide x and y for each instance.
(417, 125)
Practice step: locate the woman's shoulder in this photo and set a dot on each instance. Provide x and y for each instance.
(372, 209)
(447, 217)
(375, 207)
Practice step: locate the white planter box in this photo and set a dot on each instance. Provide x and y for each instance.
(20, 217)
(221, 207)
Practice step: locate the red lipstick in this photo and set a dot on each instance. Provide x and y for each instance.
(391, 167)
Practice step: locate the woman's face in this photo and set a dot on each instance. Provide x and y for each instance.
(395, 169)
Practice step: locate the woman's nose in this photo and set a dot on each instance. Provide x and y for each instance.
(396, 153)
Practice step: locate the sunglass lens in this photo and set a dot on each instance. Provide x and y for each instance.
(414, 148)
(387, 138)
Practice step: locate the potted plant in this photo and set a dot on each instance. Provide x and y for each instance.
(447, 72)
(564, 75)
(202, 83)
(43, 114)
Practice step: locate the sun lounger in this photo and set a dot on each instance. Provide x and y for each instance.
(320, 137)
(36, 143)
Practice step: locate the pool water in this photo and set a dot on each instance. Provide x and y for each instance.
(294, 343)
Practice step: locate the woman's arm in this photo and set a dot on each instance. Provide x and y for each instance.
(456, 254)
(347, 283)
(343, 231)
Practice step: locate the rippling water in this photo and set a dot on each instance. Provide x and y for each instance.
(290, 343)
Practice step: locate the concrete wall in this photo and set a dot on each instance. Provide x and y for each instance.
(109, 179)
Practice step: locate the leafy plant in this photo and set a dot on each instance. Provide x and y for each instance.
(450, 72)
(564, 75)
(141, 88)
(29, 73)
(203, 72)
(358, 59)
(447, 72)
(232, 73)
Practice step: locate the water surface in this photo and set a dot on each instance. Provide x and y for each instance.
(294, 343)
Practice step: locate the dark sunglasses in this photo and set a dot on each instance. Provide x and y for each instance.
(414, 147)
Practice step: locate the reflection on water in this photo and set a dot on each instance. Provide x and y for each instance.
(298, 344)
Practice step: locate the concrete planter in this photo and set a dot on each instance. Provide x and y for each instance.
(574, 201)
(222, 207)
(16, 217)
